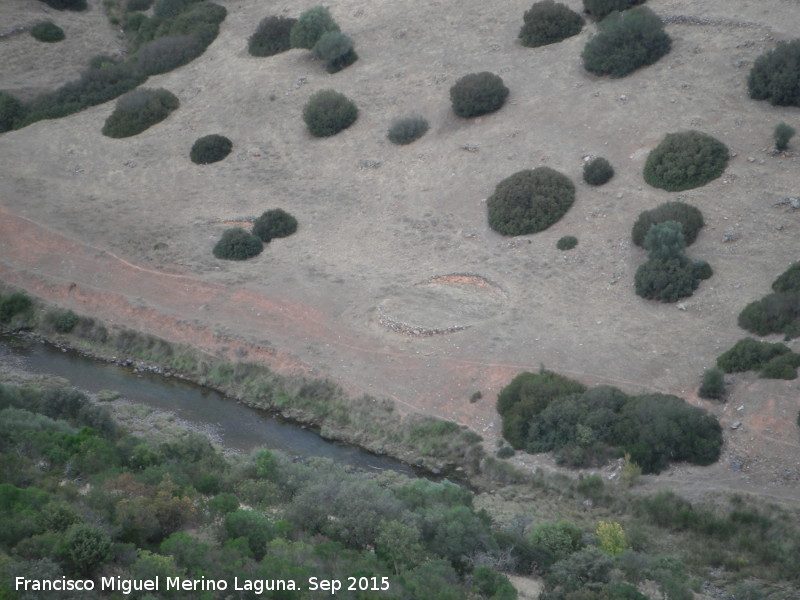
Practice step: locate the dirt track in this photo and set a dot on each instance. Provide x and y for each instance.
(122, 229)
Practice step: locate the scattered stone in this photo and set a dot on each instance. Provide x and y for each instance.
(681, 306)
(736, 425)
(369, 164)
(729, 236)
(470, 147)
(129, 163)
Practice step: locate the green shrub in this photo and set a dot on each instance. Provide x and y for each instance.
(713, 384)
(66, 4)
(774, 313)
(685, 160)
(568, 242)
(701, 270)
(506, 452)
(14, 304)
(138, 110)
(47, 31)
(406, 130)
(690, 218)
(271, 36)
(782, 134)
(63, 321)
(530, 201)
(164, 54)
(626, 41)
(11, 111)
(238, 244)
(665, 280)
(138, 5)
(275, 223)
(789, 280)
(165, 9)
(599, 9)
(210, 149)
(310, 27)
(775, 76)
(198, 19)
(477, 94)
(782, 367)
(750, 355)
(336, 49)
(328, 112)
(597, 171)
(547, 22)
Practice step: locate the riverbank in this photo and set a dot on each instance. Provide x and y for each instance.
(375, 425)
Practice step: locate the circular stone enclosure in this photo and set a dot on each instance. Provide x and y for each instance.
(442, 304)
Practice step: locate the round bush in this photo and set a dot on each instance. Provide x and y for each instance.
(685, 160)
(626, 41)
(568, 242)
(66, 4)
(666, 280)
(271, 37)
(477, 94)
(238, 244)
(547, 23)
(11, 111)
(138, 110)
(597, 171)
(599, 9)
(336, 49)
(530, 201)
(713, 385)
(702, 270)
(275, 223)
(47, 31)
(775, 76)
(210, 149)
(406, 130)
(310, 27)
(782, 134)
(690, 218)
(328, 112)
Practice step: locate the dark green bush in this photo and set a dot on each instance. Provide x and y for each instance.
(529, 201)
(690, 218)
(137, 5)
(47, 31)
(198, 19)
(665, 280)
(406, 130)
(568, 242)
(685, 160)
(138, 110)
(506, 452)
(336, 49)
(63, 321)
(328, 112)
(310, 27)
(11, 111)
(782, 367)
(275, 223)
(713, 384)
(547, 22)
(597, 171)
(14, 304)
(789, 280)
(774, 313)
(477, 94)
(164, 54)
(626, 41)
(750, 355)
(775, 76)
(782, 134)
(271, 37)
(210, 149)
(66, 4)
(170, 8)
(238, 244)
(599, 9)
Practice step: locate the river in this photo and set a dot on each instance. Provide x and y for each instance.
(235, 426)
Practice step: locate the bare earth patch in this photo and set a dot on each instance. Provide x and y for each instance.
(123, 229)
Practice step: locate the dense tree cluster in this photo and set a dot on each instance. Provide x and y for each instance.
(778, 312)
(530, 201)
(685, 160)
(626, 41)
(690, 218)
(774, 361)
(775, 76)
(548, 22)
(545, 412)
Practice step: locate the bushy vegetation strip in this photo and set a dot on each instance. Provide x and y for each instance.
(778, 312)
(773, 361)
(545, 412)
(139, 110)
